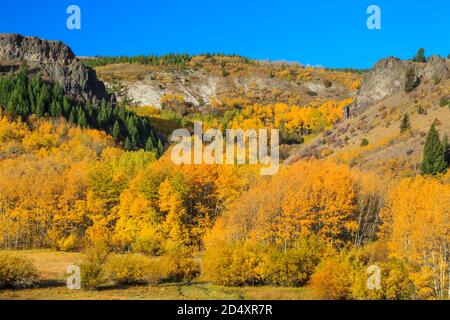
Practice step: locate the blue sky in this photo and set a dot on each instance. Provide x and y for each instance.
(316, 32)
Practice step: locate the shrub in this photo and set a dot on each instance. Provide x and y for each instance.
(154, 272)
(98, 252)
(252, 263)
(180, 265)
(436, 80)
(127, 269)
(311, 93)
(234, 264)
(420, 109)
(16, 272)
(333, 279)
(364, 142)
(405, 124)
(91, 275)
(290, 137)
(395, 283)
(294, 266)
(92, 268)
(444, 101)
(327, 83)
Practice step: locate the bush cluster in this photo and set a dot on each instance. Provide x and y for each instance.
(252, 263)
(100, 267)
(345, 276)
(16, 272)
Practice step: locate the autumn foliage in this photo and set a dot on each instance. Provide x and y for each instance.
(147, 220)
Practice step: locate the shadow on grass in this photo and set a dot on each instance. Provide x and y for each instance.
(122, 286)
(49, 283)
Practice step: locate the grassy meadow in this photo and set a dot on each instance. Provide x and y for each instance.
(52, 269)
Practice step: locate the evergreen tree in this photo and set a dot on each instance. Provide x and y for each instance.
(82, 121)
(12, 102)
(45, 95)
(434, 156)
(33, 93)
(116, 131)
(3, 92)
(420, 56)
(160, 148)
(150, 145)
(128, 145)
(405, 125)
(40, 106)
(102, 118)
(446, 146)
(57, 93)
(55, 109)
(20, 103)
(412, 81)
(73, 116)
(88, 104)
(66, 106)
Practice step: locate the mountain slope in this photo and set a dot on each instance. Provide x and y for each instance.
(380, 105)
(208, 82)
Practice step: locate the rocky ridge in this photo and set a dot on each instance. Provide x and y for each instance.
(388, 77)
(54, 61)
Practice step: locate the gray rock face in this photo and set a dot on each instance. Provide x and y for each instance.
(388, 77)
(54, 61)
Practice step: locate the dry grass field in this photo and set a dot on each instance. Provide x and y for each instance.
(52, 268)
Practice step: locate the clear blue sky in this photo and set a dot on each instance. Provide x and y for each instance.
(317, 32)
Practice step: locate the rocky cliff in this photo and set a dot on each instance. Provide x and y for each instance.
(54, 61)
(388, 77)
(377, 113)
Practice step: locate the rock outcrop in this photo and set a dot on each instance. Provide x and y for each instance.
(54, 61)
(388, 77)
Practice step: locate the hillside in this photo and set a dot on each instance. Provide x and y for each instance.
(207, 83)
(93, 178)
(380, 105)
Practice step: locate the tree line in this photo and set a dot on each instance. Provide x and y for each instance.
(22, 95)
(171, 59)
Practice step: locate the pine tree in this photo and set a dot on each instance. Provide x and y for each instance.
(405, 125)
(116, 131)
(102, 117)
(40, 106)
(20, 101)
(434, 156)
(45, 95)
(57, 92)
(160, 148)
(420, 56)
(128, 145)
(11, 106)
(55, 109)
(150, 145)
(73, 116)
(67, 107)
(446, 146)
(82, 121)
(412, 81)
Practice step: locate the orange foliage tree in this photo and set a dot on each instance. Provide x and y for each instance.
(416, 223)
